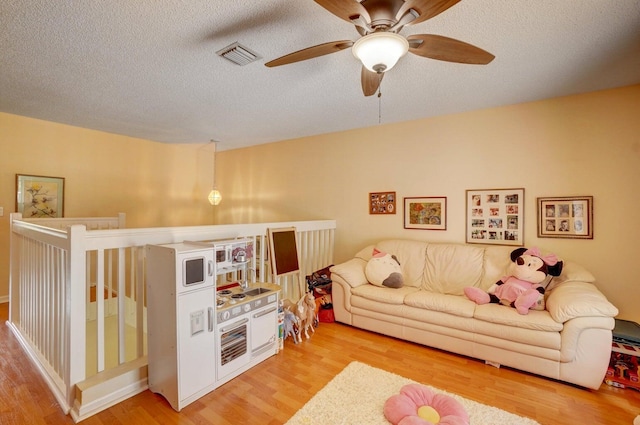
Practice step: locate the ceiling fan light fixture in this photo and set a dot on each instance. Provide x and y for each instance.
(380, 51)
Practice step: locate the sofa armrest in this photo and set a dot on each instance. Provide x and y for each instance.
(350, 272)
(578, 299)
(578, 332)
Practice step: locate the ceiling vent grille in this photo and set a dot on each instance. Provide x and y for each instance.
(238, 54)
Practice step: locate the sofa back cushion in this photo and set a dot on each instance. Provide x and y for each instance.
(449, 268)
(496, 264)
(410, 254)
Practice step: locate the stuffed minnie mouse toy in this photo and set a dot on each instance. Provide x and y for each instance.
(523, 288)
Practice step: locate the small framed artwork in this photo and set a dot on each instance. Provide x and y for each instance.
(39, 196)
(425, 213)
(382, 203)
(565, 217)
(495, 216)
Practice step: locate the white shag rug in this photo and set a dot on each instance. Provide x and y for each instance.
(357, 395)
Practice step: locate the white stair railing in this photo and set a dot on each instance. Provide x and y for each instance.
(56, 268)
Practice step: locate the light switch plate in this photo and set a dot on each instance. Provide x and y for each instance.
(1, 211)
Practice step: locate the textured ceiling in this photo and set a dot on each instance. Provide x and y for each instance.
(149, 68)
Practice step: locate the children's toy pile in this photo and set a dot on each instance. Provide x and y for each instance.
(319, 283)
(625, 356)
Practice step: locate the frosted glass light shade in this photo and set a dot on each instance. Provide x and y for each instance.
(380, 51)
(214, 197)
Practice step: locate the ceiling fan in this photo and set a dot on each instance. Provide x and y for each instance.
(381, 46)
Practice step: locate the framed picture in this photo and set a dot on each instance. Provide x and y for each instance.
(495, 216)
(382, 203)
(565, 217)
(39, 196)
(426, 213)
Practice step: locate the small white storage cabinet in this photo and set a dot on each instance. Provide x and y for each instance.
(181, 322)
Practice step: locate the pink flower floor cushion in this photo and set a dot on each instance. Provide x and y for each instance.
(418, 405)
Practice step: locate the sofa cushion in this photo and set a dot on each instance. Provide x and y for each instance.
(503, 315)
(496, 264)
(365, 253)
(410, 254)
(452, 304)
(571, 272)
(449, 268)
(384, 295)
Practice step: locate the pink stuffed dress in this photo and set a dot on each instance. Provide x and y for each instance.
(513, 287)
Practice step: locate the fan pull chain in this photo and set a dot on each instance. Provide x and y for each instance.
(379, 107)
(380, 101)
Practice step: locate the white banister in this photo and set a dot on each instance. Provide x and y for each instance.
(100, 340)
(139, 299)
(56, 262)
(121, 306)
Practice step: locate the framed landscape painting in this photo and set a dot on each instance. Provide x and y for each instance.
(425, 213)
(39, 196)
(495, 216)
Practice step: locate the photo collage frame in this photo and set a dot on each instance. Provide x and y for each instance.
(495, 216)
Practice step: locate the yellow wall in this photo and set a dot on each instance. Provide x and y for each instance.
(578, 145)
(572, 146)
(154, 184)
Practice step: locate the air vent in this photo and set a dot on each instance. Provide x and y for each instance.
(238, 54)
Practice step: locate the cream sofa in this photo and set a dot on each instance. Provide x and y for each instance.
(569, 341)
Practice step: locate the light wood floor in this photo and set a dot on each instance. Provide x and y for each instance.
(274, 390)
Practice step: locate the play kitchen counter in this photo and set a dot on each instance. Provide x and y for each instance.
(198, 338)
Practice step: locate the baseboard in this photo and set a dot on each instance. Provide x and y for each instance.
(79, 413)
(44, 373)
(109, 388)
(4, 299)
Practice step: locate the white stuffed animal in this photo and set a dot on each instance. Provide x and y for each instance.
(384, 270)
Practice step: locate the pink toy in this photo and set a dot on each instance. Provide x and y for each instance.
(418, 405)
(523, 289)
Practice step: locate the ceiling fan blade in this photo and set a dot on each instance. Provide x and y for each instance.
(426, 9)
(370, 81)
(447, 49)
(345, 9)
(311, 52)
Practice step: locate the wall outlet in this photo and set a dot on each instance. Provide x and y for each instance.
(1, 211)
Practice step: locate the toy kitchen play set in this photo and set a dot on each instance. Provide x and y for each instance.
(207, 323)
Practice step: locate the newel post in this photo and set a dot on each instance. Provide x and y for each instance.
(76, 309)
(14, 270)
